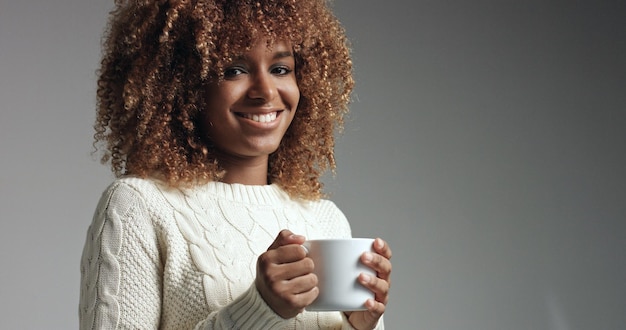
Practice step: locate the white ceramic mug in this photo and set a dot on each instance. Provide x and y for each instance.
(337, 266)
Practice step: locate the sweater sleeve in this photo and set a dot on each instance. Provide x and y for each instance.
(120, 265)
(248, 311)
(122, 273)
(345, 325)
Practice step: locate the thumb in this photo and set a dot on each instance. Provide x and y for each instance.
(286, 237)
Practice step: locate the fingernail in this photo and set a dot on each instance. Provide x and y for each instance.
(368, 257)
(380, 243)
(366, 278)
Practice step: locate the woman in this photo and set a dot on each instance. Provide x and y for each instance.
(218, 117)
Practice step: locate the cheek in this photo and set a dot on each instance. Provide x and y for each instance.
(210, 118)
(293, 95)
(218, 104)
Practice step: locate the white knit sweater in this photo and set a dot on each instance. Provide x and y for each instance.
(163, 258)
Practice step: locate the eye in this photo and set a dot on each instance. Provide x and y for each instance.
(281, 70)
(233, 71)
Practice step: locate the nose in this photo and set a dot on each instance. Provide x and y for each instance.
(263, 87)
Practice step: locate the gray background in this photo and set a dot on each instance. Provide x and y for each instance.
(486, 144)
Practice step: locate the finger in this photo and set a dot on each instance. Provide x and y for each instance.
(288, 253)
(300, 300)
(277, 272)
(289, 298)
(381, 247)
(297, 292)
(380, 264)
(298, 285)
(375, 308)
(379, 286)
(286, 237)
(284, 257)
(305, 298)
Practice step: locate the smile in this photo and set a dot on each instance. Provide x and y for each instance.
(260, 118)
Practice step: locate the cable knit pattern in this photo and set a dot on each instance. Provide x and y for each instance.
(163, 258)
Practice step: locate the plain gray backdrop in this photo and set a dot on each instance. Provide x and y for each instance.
(486, 144)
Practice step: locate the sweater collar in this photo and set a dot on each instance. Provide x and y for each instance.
(250, 194)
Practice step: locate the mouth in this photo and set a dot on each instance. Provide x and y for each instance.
(260, 118)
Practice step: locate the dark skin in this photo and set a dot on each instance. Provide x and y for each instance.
(247, 117)
(286, 282)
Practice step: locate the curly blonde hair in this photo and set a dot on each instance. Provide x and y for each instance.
(159, 54)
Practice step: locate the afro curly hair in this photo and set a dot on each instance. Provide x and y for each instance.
(159, 54)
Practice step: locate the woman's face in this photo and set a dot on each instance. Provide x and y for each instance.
(249, 111)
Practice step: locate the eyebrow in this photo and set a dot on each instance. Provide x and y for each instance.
(283, 54)
(277, 55)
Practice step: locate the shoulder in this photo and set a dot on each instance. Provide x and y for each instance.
(331, 220)
(327, 206)
(130, 194)
(324, 206)
(127, 211)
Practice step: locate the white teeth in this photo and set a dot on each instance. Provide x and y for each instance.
(263, 118)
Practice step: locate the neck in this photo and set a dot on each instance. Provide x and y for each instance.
(248, 171)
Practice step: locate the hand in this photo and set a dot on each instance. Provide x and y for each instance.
(284, 276)
(381, 264)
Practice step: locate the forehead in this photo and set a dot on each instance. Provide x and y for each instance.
(261, 53)
(263, 47)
